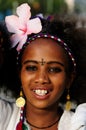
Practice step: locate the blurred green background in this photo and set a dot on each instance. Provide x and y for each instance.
(46, 7)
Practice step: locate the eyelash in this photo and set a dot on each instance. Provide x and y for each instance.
(54, 70)
(49, 70)
(31, 68)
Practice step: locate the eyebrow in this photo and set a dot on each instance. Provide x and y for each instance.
(37, 62)
(30, 61)
(55, 62)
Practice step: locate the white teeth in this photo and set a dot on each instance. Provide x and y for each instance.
(41, 92)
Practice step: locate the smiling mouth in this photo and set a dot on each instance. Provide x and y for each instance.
(41, 92)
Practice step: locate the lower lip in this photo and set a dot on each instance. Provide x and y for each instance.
(41, 97)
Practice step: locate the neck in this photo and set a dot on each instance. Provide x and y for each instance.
(43, 127)
(42, 117)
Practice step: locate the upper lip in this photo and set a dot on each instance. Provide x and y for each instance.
(41, 88)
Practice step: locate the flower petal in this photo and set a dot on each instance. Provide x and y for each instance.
(21, 26)
(22, 42)
(12, 23)
(15, 38)
(23, 12)
(34, 26)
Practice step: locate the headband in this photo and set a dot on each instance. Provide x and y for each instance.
(60, 42)
(22, 26)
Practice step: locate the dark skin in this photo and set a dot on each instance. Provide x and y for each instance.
(44, 78)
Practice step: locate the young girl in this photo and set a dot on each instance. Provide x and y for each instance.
(47, 62)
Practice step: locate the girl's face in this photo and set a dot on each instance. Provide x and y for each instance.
(43, 73)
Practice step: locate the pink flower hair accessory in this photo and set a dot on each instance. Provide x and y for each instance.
(21, 25)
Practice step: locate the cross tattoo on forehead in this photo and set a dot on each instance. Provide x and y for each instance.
(42, 62)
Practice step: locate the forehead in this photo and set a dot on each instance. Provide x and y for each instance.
(45, 44)
(44, 48)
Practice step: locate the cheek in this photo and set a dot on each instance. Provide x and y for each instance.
(59, 83)
(25, 82)
(24, 78)
(60, 79)
(59, 88)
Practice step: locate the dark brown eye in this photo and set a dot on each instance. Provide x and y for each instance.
(31, 68)
(54, 70)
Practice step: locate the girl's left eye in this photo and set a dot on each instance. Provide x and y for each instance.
(54, 70)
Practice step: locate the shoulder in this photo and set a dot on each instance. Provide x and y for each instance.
(5, 106)
(6, 109)
(65, 120)
(78, 120)
(8, 114)
(74, 120)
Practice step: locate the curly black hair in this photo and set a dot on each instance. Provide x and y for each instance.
(4, 48)
(8, 73)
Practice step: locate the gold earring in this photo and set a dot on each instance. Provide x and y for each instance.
(68, 104)
(20, 102)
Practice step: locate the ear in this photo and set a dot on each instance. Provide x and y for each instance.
(71, 78)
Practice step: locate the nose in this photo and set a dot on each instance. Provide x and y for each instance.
(42, 77)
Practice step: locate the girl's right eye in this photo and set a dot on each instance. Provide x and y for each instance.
(31, 68)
